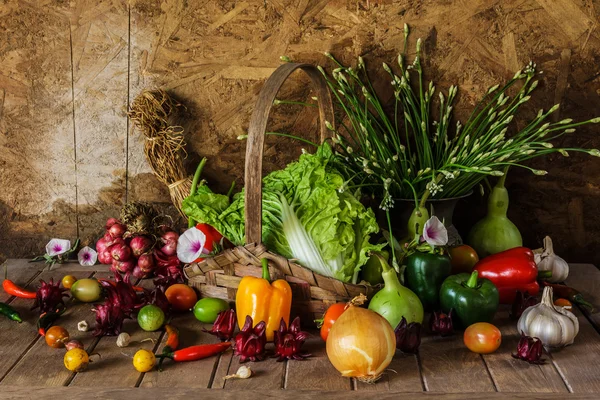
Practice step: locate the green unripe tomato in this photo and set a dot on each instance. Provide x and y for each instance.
(86, 290)
(207, 309)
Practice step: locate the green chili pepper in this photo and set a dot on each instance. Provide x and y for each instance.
(10, 312)
(472, 299)
(424, 275)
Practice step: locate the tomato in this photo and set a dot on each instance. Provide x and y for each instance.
(462, 258)
(144, 360)
(207, 309)
(57, 337)
(150, 318)
(482, 338)
(76, 360)
(331, 315)
(86, 290)
(563, 303)
(68, 281)
(181, 297)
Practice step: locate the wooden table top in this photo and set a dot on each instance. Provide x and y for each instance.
(443, 365)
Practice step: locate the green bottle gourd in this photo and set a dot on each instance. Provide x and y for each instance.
(395, 301)
(495, 232)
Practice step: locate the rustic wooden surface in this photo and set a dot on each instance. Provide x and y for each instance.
(443, 366)
(69, 69)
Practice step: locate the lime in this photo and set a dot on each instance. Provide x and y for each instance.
(151, 318)
(207, 309)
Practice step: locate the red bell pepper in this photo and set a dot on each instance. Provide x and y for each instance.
(511, 270)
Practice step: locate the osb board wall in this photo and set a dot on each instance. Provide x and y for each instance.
(68, 70)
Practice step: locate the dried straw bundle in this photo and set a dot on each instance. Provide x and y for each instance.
(164, 144)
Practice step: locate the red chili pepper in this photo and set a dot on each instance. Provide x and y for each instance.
(194, 353)
(172, 339)
(12, 289)
(569, 293)
(511, 270)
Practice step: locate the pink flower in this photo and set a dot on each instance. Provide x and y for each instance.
(434, 232)
(57, 247)
(87, 256)
(190, 245)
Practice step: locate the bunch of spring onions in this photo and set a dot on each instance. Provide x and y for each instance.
(413, 155)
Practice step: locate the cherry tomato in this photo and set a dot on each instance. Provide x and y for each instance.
(181, 297)
(482, 338)
(463, 258)
(331, 315)
(563, 303)
(57, 337)
(68, 281)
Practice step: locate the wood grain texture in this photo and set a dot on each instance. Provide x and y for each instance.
(586, 279)
(402, 375)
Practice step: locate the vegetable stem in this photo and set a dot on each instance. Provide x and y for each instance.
(472, 282)
(195, 185)
(265, 269)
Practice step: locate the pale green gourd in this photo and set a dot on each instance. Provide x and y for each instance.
(495, 232)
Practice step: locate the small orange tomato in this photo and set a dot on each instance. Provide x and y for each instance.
(68, 281)
(462, 258)
(482, 338)
(331, 315)
(181, 297)
(563, 303)
(57, 337)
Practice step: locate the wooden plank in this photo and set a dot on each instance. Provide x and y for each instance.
(29, 371)
(115, 367)
(196, 374)
(511, 375)
(267, 374)
(17, 393)
(315, 372)
(586, 279)
(20, 272)
(448, 366)
(100, 34)
(402, 375)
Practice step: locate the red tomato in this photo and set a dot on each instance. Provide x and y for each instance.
(181, 297)
(331, 315)
(482, 338)
(57, 337)
(463, 258)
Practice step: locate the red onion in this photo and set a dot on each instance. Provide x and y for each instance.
(104, 257)
(138, 273)
(146, 263)
(73, 344)
(170, 243)
(120, 252)
(110, 222)
(101, 245)
(117, 230)
(124, 266)
(140, 245)
(162, 260)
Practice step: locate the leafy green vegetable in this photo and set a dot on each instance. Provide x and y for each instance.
(306, 216)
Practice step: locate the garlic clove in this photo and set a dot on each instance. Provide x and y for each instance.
(547, 260)
(83, 326)
(123, 339)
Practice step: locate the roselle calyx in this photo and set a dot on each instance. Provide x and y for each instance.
(224, 325)
(408, 336)
(289, 341)
(49, 296)
(250, 342)
(441, 323)
(522, 302)
(530, 349)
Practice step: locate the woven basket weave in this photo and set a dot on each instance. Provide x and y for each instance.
(220, 276)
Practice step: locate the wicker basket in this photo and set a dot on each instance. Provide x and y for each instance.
(220, 276)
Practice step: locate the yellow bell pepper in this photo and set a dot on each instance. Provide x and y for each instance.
(264, 301)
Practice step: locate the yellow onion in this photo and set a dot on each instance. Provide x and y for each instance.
(361, 344)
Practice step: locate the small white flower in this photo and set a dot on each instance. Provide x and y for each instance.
(87, 256)
(190, 245)
(57, 247)
(434, 232)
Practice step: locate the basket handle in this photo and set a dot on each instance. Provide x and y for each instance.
(256, 138)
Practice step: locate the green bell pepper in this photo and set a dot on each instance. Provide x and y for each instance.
(472, 299)
(424, 275)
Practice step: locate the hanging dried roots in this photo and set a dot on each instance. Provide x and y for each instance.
(164, 143)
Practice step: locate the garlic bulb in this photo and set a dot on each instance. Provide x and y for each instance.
(123, 339)
(554, 326)
(548, 261)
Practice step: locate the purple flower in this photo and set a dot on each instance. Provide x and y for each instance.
(87, 256)
(57, 247)
(434, 232)
(190, 245)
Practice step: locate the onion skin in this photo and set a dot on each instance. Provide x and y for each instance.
(356, 333)
(146, 263)
(170, 240)
(101, 245)
(117, 230)
(105, 258)
(120, 252)
(124, 266)
(140, 245)
(110, 222)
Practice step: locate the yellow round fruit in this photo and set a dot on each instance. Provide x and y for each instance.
(68, 281)
(76, 360)
(144, 360)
